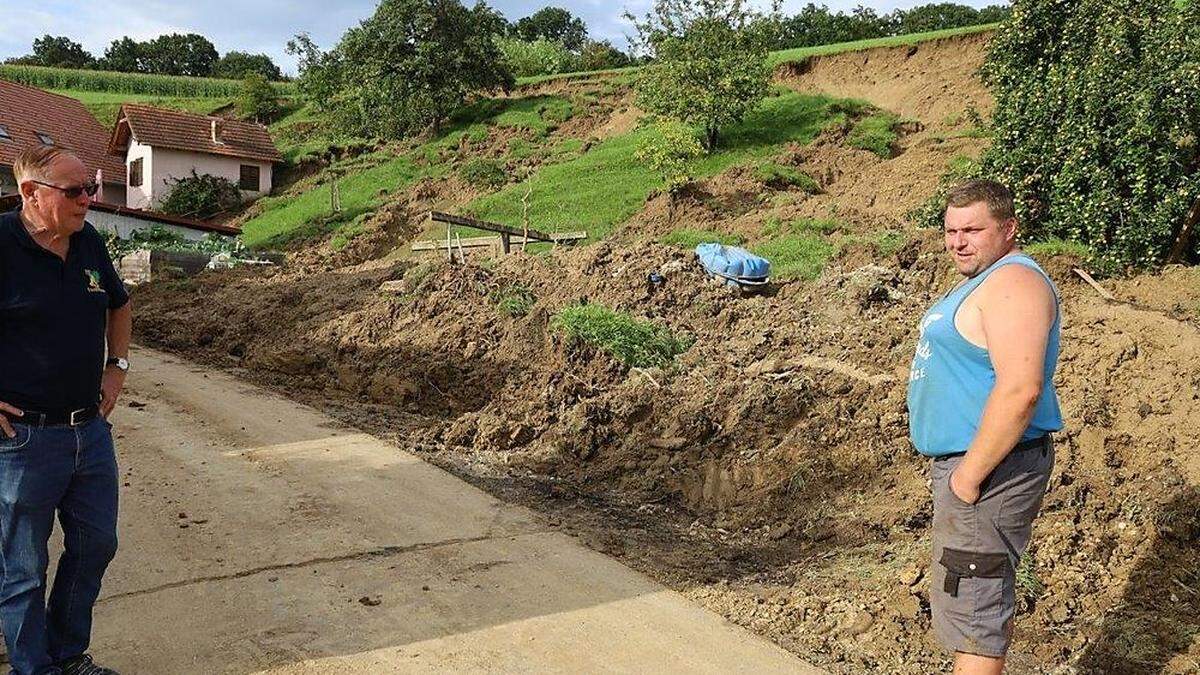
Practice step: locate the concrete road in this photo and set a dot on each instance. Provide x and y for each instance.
(257, 538)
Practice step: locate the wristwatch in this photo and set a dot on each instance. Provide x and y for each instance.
(118, 362)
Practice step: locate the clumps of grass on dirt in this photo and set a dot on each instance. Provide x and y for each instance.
(483, 173)
(636, 343)
(513, 301)
(877, 133)
(796, 256)
(689, 239)
(782, 177)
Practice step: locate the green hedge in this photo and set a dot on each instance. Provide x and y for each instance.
(1096, 122)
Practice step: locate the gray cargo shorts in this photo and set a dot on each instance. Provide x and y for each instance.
(976, 549)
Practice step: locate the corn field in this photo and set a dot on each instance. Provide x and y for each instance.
(127, 83)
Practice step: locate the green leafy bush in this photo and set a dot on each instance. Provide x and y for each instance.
(781, 177)
(482, 172)
(537, 57)
(1096, 122)
(672, 152)
(159, 238)
(201, 196)
(258, 100)
(635, 343)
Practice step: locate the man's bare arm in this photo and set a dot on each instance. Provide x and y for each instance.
(120, 331)
(1017, 309)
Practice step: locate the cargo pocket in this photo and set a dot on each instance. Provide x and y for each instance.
(980, 580)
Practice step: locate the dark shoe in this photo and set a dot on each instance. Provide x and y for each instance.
(83, 665)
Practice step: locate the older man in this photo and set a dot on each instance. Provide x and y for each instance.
(62, 306)
(982, 404)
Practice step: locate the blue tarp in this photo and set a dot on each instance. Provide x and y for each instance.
(737, 265)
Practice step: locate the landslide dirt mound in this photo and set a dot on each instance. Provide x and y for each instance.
(768, 474)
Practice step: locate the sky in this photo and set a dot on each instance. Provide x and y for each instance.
(265, 26)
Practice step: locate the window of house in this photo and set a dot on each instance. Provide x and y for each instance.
(135, 173)
(4, 133)
(249, 179)
(45, 138)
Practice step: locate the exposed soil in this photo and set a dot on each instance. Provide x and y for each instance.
(768, 476)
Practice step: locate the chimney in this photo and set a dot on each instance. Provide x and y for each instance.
(216, 131)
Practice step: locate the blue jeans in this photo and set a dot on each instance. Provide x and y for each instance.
(44, 470)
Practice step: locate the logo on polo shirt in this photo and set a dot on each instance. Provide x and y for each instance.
(94, 281)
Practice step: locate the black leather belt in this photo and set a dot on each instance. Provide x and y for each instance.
(72, 418)
(1038, 443)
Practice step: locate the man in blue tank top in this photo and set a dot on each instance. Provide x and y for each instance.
(982, 405)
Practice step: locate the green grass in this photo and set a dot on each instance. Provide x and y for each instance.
(782, 177)
(128, 83)
(537, 114)
(513, 301)
(634, 342)
(689, 239)
(875, 133)
(600, 189)
(1054, 246)
(286, 218)
(104, 104)
(802, 53)
(796, 256)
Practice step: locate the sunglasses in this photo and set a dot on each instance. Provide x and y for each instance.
(90, 188)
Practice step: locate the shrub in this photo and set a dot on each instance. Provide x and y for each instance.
(690, 239)
(639, 344)
(257, 99)
(201, 196)
(482, 172)
(672, 152)
(537, 57)
(1096, 122)
(781, 177)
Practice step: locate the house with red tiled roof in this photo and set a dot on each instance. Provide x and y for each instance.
(30, 116)
(162, 146)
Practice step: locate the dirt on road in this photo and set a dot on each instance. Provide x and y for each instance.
(261, 536)
(768, 476)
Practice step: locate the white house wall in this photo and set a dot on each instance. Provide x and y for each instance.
(166, 166)
(125, 226)
(139, 197)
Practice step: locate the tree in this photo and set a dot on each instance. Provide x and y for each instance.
(176, 54)
(406, 68)
(601, 55)
(711, 65)
(937, 16)
(1096, 119)
(57, 52)
(554, 24)
(237, 65)
(124, 55)
(257, 100)
(994, 14)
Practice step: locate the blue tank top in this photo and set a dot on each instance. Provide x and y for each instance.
(950, 378)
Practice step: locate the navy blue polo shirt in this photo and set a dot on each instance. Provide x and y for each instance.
(53, 318)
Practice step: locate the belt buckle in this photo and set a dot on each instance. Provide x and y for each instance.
(71, 421)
